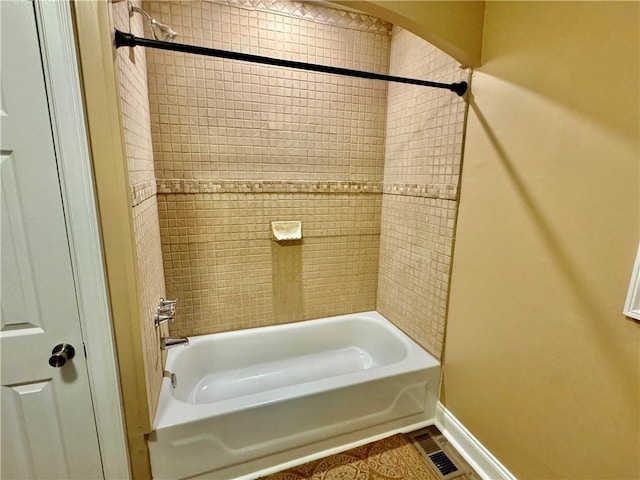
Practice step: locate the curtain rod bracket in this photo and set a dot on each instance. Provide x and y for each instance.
(460, 88)
(123, 39)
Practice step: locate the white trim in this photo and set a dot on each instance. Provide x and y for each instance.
(480, 459)
(76, 177)
(632, 305)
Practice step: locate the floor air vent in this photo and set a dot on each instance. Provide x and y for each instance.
(440, 461)
(443, 463)
(427, 444)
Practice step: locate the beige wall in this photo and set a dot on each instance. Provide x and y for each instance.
(540, 364)
(423, 146)
(131, 74)
(237, 146)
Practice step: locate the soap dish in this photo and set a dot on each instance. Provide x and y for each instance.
(284, 231)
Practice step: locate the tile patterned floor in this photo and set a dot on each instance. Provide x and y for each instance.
(393, 458)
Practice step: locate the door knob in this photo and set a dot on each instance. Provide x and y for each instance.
(60, 354)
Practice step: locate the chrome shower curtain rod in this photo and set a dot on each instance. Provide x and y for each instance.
(128, 40)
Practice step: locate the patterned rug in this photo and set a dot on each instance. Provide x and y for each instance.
(391, 458)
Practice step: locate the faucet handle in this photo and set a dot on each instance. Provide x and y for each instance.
(165, 311)
(159, 318)
(167, 303)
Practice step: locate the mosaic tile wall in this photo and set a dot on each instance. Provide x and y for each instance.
(131, 70)
(151, 286)
(132, 85)
(228, 273)
(423, 151)
(223, 119)
(424, 126)
(415, 259)
(237, 146)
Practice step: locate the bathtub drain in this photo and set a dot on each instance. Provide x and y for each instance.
(172, 376)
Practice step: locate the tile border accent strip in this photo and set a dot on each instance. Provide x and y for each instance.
(248, 186)
(438, 191)
(142, 191)
(324, 14)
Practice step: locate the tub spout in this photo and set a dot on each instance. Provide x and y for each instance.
(168, 342)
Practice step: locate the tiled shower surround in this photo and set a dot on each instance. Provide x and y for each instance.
(371, 169)
(238, 145)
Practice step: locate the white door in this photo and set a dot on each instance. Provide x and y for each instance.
(48, 426)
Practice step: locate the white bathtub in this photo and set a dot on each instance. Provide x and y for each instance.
(248, 400)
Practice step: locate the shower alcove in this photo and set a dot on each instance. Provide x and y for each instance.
(218, 149)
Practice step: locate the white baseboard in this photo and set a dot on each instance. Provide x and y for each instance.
(480, 459)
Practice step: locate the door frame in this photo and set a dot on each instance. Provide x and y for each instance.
(62, 79)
